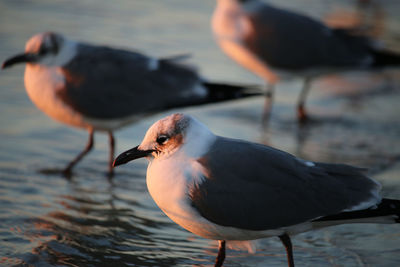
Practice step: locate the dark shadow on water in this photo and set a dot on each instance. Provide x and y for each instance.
(58, 172)
(71, 174)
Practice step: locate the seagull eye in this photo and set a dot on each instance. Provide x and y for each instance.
(162, 139)
(42, 51)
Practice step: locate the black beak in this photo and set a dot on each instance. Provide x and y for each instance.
(21, 58)
(131, 154)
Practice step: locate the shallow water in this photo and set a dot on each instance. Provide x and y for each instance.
(46, 220)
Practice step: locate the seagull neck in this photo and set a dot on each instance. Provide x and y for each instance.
(198, 141)
(66, 54)
(229, 3)
(243, 5)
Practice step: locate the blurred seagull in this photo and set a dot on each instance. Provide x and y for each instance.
(232, 190)
(265, 39)
(102, 89)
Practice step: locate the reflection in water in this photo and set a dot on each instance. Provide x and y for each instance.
(356, 125)
(91, 228)
(337, 140)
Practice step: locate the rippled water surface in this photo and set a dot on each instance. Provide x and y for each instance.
(46, 220)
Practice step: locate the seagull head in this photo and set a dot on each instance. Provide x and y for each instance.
(177, 134)
(49, 49)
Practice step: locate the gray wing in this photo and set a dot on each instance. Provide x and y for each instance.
(289, 40)
(107, 83)
(256, 187)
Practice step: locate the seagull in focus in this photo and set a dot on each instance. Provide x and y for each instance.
(272, 42)
(100, 88)
(232, 190)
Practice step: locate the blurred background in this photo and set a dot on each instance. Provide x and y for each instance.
(46, 220)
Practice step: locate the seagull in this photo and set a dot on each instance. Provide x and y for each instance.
(273, 43)
(233, 190)
(100, 88)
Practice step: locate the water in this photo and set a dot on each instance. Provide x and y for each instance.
(46, 220)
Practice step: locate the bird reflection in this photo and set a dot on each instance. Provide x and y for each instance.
(335, 138)
(88, 227)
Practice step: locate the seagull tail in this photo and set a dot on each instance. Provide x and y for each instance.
(218, 92)
(387, 211)
(385, 58)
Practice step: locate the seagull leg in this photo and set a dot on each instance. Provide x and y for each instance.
(221, 253)
(301, 112)
(289, 249)
(89, 146)
(111, 155)
(269, 98)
